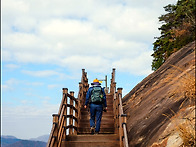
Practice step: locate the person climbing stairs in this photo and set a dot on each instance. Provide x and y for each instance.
(106, 136)
(71, 126)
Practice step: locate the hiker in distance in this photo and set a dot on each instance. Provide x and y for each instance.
(96, 98)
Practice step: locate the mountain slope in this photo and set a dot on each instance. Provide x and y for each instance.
(11, 141)
(6, 140)
(43, 138)
(159, 105)
(27, 143)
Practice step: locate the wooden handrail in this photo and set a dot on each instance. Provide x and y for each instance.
(122, 121)
(60, 120)
(62, 127)
(119, 116)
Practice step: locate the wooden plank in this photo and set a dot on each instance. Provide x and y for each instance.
(71, 113)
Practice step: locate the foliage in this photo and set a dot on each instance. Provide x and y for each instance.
(177, 30)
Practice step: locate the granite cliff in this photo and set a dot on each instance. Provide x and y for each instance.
(161, 108)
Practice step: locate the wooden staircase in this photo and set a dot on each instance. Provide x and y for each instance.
(77, 133)
(101, 140)
(107, 122)
(106, 136)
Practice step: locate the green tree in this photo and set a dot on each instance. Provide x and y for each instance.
(177, 30)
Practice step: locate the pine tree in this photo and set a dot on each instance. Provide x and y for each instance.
(178, 29)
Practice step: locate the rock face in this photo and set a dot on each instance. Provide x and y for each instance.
(160, 106)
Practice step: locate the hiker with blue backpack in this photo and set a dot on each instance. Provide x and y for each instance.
(96, 98)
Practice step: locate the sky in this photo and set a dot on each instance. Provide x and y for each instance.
(45, 44)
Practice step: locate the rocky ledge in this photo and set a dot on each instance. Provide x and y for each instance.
(161, 108)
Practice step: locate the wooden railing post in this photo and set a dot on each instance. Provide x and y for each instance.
(65, 92)
(55, 118)
(76, 115)
(71, 113)
(106, 84)
(113, 71)
(62, 118)
(120, 118)
(119, 90)
(116, 116)
(112, 81)
(114, 87)
(80, 101)
(120, 121)
(111, 87)
(55, 133)
(60, 127)
(124, 125)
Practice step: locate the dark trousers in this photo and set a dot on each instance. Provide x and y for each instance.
(96, 111)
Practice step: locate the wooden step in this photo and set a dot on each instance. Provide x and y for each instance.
(102, 130)
(85, 114)
(87, 125)
(109, 100)
(108, 95)
(108, 104)
(108, 112)
(104, 113)
(100, 140)
(90, 144)
(102, 121)
(104, 117)
(87, 109)
(99, 137)
(102, 125)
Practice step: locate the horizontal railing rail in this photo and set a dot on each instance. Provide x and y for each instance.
(67, 120)
(64, 120)
(119, 116)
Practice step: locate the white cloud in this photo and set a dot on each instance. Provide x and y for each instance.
(65, 28)
(38, 118)
(12, 66)
(6, 55)
(95, 35)
(44, 73)
(51, 86)
(9, 84)
(6, 88)
(70, 34)
(139, 65)
(34, 83)
(95, 63)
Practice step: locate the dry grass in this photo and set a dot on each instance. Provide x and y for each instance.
(187, 133)
(183, 82)
(186, 84)
(185, 126)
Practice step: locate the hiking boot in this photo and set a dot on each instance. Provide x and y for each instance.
(96, 133)
(92, 130)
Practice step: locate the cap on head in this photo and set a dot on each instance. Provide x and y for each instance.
(96, 82)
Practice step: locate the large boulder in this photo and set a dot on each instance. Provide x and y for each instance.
(161, 105)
